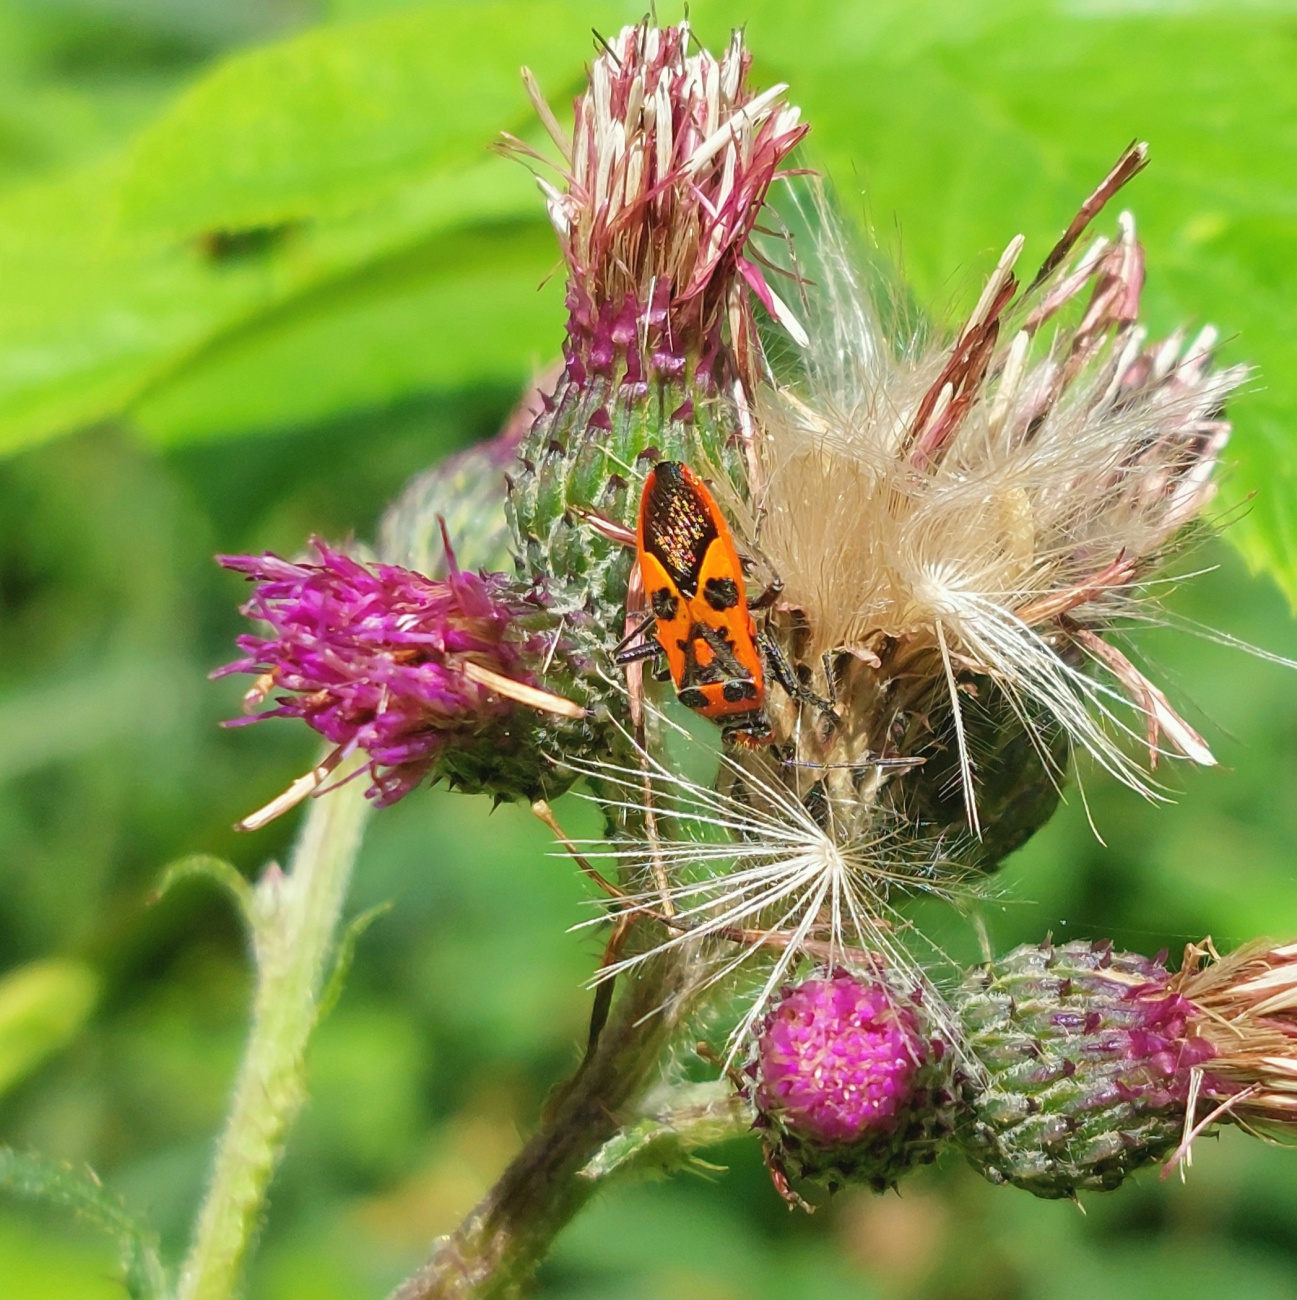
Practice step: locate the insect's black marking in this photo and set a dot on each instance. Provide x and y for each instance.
(722, 646)
(734, 692)
(754, 724)
(692, 698)
(721, 593)
(678, 526)
(724, 665)
(665, 603)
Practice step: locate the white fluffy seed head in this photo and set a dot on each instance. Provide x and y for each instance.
(987, 497)
(746, 867)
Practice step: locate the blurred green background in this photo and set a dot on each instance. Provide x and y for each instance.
(256, 269)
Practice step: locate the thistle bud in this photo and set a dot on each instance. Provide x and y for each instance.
(1087, 1055)
(427, 678)
(848, 1082)
(661, 183)
(462, 497)
(1099, 1062)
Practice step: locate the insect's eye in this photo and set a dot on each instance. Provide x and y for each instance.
(721, 593)
(665, 603)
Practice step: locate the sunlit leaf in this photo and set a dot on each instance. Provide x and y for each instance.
(110, 279)
(90, 317)
(339, 117)
(462, 310)
(42, 1006)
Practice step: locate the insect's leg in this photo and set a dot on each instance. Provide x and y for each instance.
(830, 678)
(769, 595)
(782, 671)
(619, 652)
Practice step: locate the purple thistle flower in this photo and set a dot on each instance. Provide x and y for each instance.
(838, 1059)
(382, 660)
(847, 1083)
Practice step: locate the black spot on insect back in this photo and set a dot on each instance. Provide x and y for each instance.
(721, 593)
(664, 603)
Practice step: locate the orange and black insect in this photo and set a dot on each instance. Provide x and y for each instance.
(702, 624)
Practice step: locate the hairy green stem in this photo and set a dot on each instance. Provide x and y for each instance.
(502, 1241)
(294, 920)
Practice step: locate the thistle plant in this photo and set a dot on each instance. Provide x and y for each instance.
(952, 530)
(847, 1086)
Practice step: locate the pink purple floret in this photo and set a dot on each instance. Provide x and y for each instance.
(838, 1059)
(371, 656)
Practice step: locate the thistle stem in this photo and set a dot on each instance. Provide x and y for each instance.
(294, 924)
(501, 1242)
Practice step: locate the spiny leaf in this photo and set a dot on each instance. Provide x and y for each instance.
(36, 1178)
(203, 866)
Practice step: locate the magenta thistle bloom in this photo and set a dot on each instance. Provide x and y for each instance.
(384, 661)
(847, 1081)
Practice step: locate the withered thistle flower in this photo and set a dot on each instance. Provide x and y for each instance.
(427, 678)
(1099, 1062)
(848, 1082)
(1247, 1007)
(669, 163)
(660, 185)
(986, 511)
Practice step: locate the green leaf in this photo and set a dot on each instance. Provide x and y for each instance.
(463, 310)
(951, 128)
(113, 278)
(337, 118)
(89, 317)
(35, 1178)
(42, 1007)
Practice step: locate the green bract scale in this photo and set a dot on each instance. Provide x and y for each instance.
(590, 454)
(1088, 1057)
